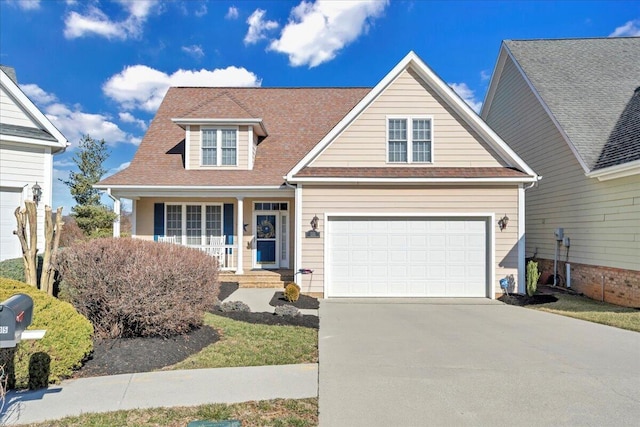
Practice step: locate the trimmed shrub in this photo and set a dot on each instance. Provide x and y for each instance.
(70, 232)
(137, 288)
(66, 344)
(287, 310)
(532, 278)
(292, 292)
(14, 268)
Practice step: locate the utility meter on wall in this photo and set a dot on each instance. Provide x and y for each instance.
(559, 233)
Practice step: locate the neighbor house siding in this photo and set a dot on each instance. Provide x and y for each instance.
(11, 113)
(364, 142)
(602, 218)
(318, 200)
(145, 214)
(242, 147)
(22, 166)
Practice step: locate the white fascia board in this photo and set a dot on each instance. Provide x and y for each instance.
(416, 180)
(180, 121)
(544, 105)
(448, 95)
(136, 192)
(56, 148)
(31, 108)
(618, 171)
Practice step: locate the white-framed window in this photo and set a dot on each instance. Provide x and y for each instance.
(409, 139)
(193, 223)
(219, 147)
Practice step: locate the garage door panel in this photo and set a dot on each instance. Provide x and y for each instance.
(395, 256)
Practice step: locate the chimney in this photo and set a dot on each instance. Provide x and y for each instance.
(11, 72)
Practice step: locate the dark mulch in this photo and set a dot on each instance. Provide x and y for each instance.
(226, 289)
(130, 355)
(304, 302)
(522, 300)
(265, 318)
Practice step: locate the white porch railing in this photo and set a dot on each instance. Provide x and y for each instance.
(227, 255)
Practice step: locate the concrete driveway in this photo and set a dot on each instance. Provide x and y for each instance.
(425, 362)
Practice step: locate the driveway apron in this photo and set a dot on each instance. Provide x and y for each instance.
(443, 362)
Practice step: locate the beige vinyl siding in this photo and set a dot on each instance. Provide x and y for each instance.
(318, 200)
(242, 147)
(602, 218)
(144, 221)
(364, 142)
(11, 113)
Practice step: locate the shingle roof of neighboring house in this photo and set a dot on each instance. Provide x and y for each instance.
(296, 119)
(588, 85)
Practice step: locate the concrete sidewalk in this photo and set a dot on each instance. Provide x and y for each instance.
(158, 389)
(258, 299)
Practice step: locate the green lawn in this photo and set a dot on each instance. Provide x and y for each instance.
(584, 308)
(276, 413)
(247, 344)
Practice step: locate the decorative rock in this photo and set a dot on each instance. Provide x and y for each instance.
(228, 306)
(287, 310)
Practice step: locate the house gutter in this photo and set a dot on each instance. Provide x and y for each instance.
(116, 210)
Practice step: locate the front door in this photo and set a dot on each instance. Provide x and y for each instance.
(266, 240)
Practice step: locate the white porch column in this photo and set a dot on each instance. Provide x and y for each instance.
(240, 227)
(297, 263)
(116, 210)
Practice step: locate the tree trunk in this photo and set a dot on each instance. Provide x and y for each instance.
(51, 241)
(27, 232)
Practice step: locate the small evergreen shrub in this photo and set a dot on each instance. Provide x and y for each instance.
(292, 292)
(532, 278)
(14, 268)
(137, 288)
(229, 306)
(66, 344)
(287, 310)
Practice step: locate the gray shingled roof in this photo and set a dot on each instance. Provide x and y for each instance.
(589, 86)
(26, 132)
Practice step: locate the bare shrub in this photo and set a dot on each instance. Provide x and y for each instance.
(135, 288)
(71, 233)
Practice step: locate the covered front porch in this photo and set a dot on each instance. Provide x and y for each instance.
(247, 232)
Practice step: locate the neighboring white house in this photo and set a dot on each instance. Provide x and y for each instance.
(28, 141)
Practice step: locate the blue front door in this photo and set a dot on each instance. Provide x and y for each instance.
(266, 241)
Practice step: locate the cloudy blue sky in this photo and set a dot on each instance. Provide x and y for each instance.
(101, 67)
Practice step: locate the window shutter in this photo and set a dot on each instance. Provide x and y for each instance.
(158, 220)
(227, 223)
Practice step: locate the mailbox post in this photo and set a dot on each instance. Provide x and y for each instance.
(16, 314)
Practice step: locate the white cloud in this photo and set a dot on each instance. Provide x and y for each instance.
(64, 163)
(37, 95)
(317, 31)
(258, 27)
(96, 22)
(129, 118)
(117, 169)
(202, 11)
(26, 4)
(194, 50)
(468, 95)
(142, 87)
(485, 75)
(630, 29)
(232, 13)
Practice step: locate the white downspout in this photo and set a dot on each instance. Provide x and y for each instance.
(116, 210)
(240, 228)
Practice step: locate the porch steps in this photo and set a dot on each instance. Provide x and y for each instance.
(258, 278)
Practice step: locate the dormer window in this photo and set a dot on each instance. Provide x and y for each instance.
(219, 147)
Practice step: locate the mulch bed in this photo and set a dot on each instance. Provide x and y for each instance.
(304, 302)
(132, 355)
(522, 300)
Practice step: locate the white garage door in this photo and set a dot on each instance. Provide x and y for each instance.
(406, 257)
(10, 199)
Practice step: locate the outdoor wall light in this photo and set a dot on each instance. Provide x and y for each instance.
(502, 222)
(37, 193)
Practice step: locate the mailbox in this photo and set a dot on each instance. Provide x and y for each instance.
(16, 314)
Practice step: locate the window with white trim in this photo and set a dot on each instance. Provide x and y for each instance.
(409, 140)
(196, 222)
(219, 147)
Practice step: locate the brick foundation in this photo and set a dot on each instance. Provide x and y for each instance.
(621, 287)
